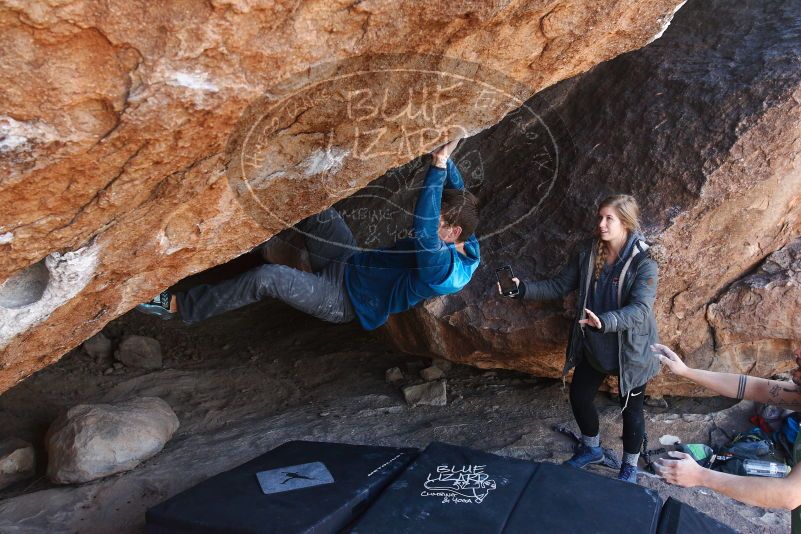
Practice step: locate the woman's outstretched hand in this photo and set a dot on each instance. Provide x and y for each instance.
(670, 359)
(591, 320)
(517, 284)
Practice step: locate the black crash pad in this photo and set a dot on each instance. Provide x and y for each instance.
(449, 489)
(234, 501)
(564, 499)
(680, 518)
(455, 489)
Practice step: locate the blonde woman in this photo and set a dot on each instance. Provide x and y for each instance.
(616, 281)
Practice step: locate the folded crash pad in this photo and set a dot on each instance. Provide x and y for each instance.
(455, 489)
(300, 486)
(680, 518)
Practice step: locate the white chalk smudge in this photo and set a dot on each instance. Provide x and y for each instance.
(17, 135)
(325, 161)
(69, 274)
(261, 181)
(10, 142)
(6, 238)
(665, 26)
(192, 80)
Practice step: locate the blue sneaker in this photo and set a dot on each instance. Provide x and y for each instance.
(628, 473)
(159, 306)
(584, 456)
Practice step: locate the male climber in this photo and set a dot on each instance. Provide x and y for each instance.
(346, 283)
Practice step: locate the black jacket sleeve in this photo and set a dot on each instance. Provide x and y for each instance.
(554, 288)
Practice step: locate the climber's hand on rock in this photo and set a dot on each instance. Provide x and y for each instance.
(442, 153)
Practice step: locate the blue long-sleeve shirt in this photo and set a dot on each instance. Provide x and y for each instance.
(391, 280)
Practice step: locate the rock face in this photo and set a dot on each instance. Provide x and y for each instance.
(123, 123)
(703, 126)
(754, 316)
(94, 441)
(17, 461)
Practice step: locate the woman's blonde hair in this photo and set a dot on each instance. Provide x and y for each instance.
(629, 213)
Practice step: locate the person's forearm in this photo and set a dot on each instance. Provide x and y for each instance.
(453, 180)
(726, 384)
(756, 491)
(427, 209)
(778, 393)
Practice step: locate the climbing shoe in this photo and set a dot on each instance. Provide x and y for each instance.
(628, 473)
(585, 455)
(159, 306)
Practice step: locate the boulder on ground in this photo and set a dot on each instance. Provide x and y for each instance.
(91, 441)
(98, 347)
(17, 461)
(140, 351)
(394, 376)
(428, 393)
(431, 373)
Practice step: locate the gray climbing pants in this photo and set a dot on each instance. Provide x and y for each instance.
(321, 293)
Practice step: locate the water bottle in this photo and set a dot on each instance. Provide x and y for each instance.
(762, 468)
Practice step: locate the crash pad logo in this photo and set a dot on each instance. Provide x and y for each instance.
(459, 484)
(294, 477)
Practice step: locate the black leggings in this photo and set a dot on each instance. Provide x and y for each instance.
(586, 381)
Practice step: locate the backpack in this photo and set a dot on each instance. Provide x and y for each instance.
(786, 436)
(752, 445)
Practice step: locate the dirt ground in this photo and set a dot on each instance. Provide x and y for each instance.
(250, 380)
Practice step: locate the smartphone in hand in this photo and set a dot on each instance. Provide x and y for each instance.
(508, 286)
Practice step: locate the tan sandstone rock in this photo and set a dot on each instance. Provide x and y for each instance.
(122, 123)
(17, 461)
(757, 315)
(91, 441)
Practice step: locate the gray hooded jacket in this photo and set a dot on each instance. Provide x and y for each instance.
(634, 321)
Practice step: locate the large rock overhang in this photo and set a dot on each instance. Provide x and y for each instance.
(122, 127)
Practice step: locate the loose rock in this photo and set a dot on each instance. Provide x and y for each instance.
(98, 347)
(656, 401)
(443, 364)
(431, 373)
(140, 351)
(394, 376)
(429, 393)
(17, 461)
(91, 441)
